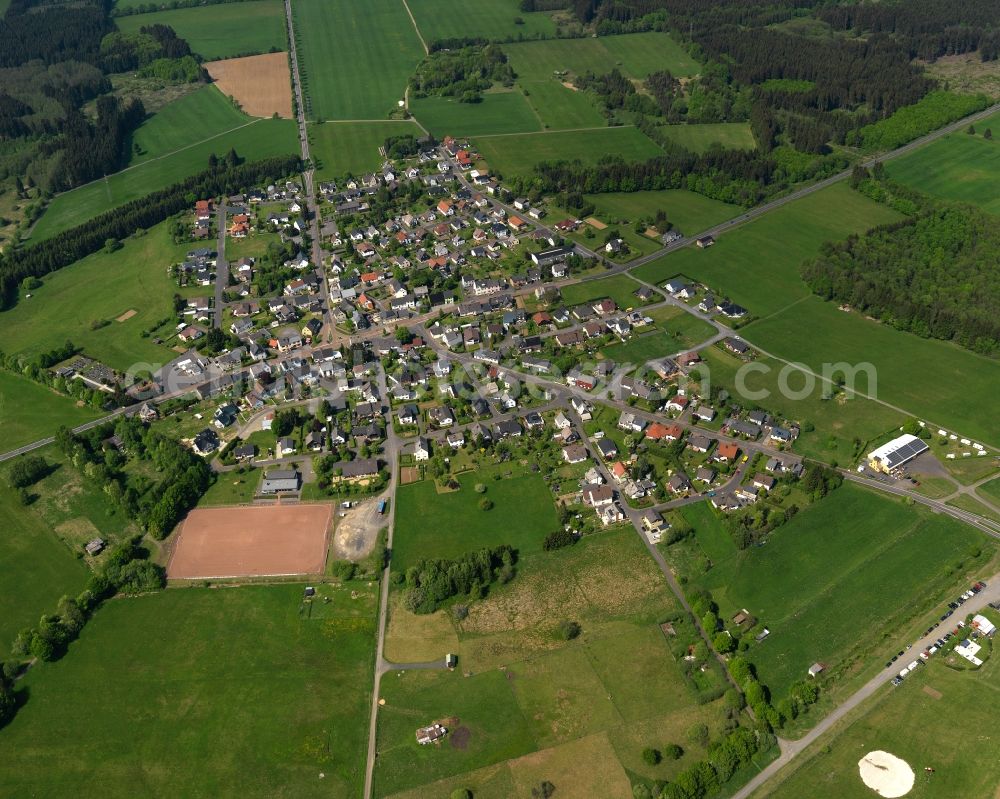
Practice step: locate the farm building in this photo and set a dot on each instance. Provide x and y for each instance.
(430, 734)
(891, 456)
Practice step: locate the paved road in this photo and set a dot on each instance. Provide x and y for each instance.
(221, 266)
(791, 749)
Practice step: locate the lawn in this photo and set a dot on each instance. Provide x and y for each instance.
(261, 139)
(688, 212)
(517, 154)
(636, 55)
(757, 265)
(343, 80)
(829, 583)
(620, 288)
(488, 19)
(71, 299)
(225, 30)
(991, 490)
(937, 718)
(559, 107)
(935, 380)
(195, 117)
(698, 138)
(231, 488)
(499, 112)
(200, 692)
(447, 525)
(339, 148)
(38, 569)
(29, 411)
(956, 167)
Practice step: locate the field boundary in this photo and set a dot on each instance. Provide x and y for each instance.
(549, 131)
(416, 28)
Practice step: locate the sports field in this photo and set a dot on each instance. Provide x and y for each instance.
(195, 117)
(758, 264)
(102, 287)
(499, 112)
(698, 138)
(30, 411)
(517, 154)
(355, 58)
(956, 167)
(262, 138)
(261, 84)
(225, 30)
(839, 575)
(38, 569)
(938, 718)
(935, 380)
(620, 288)
(537, 706)
(687, 211)
(487, 19)
(447, 525)
(635, 54)
(341, 147)
(263, 540)
(230, 692)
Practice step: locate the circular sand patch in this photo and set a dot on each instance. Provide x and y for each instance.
(886, 774)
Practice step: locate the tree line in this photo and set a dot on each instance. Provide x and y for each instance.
(71, 245)
(933, 274)
(430, 583)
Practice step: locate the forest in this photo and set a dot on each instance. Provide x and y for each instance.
(933, 274)
(464, 73)
(227, 177)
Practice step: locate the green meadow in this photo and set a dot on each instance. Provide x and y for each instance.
(354, 65)
(831, 582)
(98, 288)
(757, 264)
(499, 112)
(559, 107)
(224, 30)
(519, 153)
(687, 211)
(30, 411)
(236, 691)
(195, 117)
(341, 147)
(635, 54)
(956, 167)
(488, 19)
(261, 139)
(699, 138)
(620, 288)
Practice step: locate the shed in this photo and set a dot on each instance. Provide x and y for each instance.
(816, 669)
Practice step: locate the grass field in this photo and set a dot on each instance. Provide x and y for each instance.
(262, 138)
(675, 331)
(433, 525)
(933, 379)
(341, 147)
(922, 721)
(201, 115)
(839, 423)
(688, 212)
(698, 138)
(231, 488)
(72, 298)
(991, 490)
(230, 692)
(758, 264)
(956, 167)
(559, 107)
(488, 19)
(38, 569)
(518, 154)
(343, 80)
(499, 112)
(221, 31)
(620, 288)
(635, 54)
(968, 503)
(29, 411)
(832, 581)
(536, 706)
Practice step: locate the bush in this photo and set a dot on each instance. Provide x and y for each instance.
(673, 751)
(461, 793)
(27, 471)
(698, 734)
(480, 488)
(485, 504)
(651, 756)
(558, 539)
(343, 569)
(569, 630)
